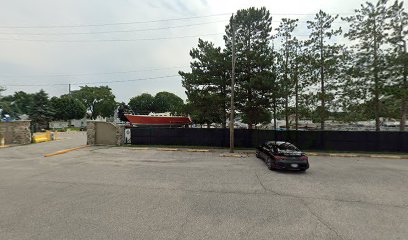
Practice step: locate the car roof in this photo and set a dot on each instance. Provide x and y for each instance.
(277, 143)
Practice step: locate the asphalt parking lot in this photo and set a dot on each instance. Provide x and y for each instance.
(139, 193)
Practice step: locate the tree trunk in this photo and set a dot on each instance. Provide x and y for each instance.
(225, 102)
(286, 86)
(250, 112)
(287, 112)
(323, 90)
(376, 83)
(297, 104)
(403, 119)
(274, 113)
(296, 97)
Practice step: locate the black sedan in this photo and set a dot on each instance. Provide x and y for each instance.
(282, 155)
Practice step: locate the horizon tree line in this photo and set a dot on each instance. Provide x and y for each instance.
(316, 78)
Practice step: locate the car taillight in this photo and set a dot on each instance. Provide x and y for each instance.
(280, 158)
(303, 158)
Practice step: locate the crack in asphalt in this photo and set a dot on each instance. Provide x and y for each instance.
(181, 231)
(260, 182)
(265, 190)
(320, 219)
(404, 206)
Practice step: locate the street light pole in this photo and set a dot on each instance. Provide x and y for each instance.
(232, 117)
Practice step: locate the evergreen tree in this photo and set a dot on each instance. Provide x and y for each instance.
(324, 55)
(289, 46)
(207, 85)
(40, 110)
(398, 27)
(368, 32)
(253, 86)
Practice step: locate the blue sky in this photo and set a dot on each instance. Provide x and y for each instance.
(53, 43)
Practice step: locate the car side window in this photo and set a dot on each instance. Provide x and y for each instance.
(270, 147)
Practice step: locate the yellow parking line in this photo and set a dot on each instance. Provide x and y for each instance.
(64, 151)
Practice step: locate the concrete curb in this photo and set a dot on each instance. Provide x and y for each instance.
(234, 155)
(352, 155)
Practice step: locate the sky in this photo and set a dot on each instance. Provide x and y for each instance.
(132, 46)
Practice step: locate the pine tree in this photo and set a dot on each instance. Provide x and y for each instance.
(289, 45)
(207, 86)
(324, 54)
(40, 110)
(253, 87)
(398, 27)
(367, 30)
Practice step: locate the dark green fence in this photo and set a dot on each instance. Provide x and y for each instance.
(245, 138)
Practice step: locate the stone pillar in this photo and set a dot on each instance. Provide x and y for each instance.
(17, 132)
(120, 135)
(91, 132)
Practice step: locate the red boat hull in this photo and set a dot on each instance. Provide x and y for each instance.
(145, 120)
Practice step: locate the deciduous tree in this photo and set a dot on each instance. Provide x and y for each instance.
(99, 101)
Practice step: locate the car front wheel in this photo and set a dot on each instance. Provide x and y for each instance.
(257, 154)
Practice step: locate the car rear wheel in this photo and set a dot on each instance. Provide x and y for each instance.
(268, 162)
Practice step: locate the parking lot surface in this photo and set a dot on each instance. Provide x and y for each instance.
(138, 193)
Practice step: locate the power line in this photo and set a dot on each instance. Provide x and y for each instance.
(117, 23)
(89, 74)
(108, 40)
(84, 83)
(113, 31)
(157, 20)
(309, 14)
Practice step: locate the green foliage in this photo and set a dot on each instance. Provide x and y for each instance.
(67, 108)
(263, 117)
(99, 101)
(207, 85)
(17, 104)
(398, 58)
(325, 57)
(161, 102)
(40, 110)
(142, 104)
(368, 31)
(287, 63)
(253, 61)
(168, 102)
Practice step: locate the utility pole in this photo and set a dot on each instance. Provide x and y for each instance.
(232, 117)
(69, 88)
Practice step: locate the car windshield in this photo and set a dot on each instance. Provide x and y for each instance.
(286, 147)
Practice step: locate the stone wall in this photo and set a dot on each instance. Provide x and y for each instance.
(17, 132)
(104, 133)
